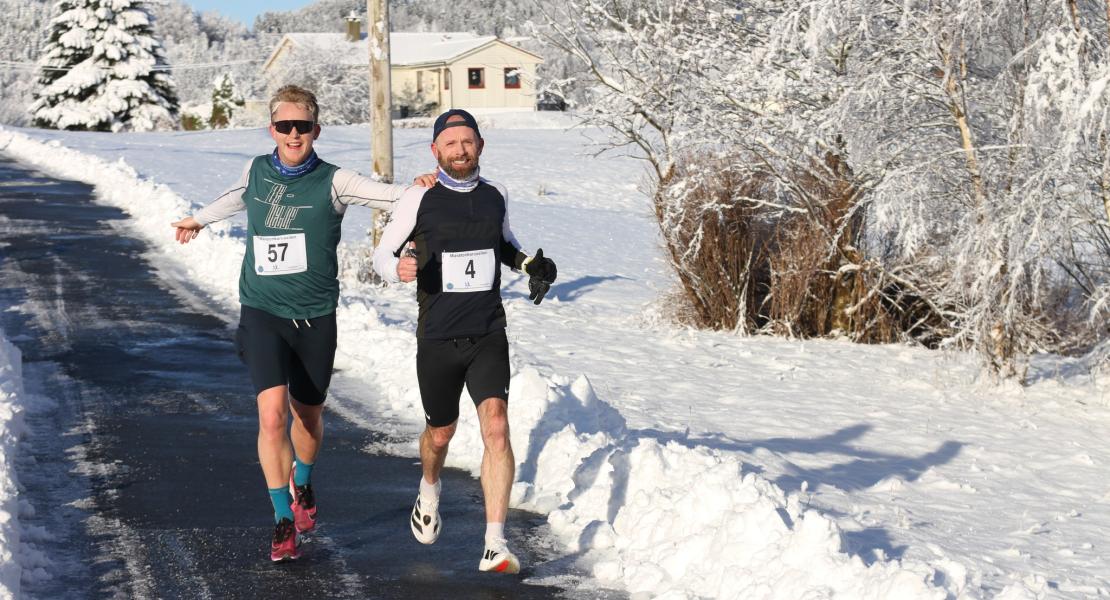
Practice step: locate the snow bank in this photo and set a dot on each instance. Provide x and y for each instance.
(654, 516)
(647, 511)
(11, 428)
(210, 263)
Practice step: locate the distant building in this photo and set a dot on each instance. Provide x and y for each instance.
(430, 71)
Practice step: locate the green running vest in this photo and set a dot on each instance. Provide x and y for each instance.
(290, 221)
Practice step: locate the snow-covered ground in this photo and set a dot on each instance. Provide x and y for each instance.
(678, 463)
(11, 428)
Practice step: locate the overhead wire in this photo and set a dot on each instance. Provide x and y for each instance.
(31, 66)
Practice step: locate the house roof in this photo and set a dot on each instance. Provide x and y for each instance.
(406, 49)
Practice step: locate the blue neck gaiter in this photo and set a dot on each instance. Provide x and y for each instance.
(302, 169)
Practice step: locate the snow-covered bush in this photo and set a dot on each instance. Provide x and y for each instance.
(103, 69)
(758, 265)
(972, 134)
(718, 248)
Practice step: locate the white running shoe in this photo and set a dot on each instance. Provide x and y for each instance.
(498, 559)
(425, 521)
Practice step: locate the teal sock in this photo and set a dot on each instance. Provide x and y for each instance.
(281, 499)
(302, 472)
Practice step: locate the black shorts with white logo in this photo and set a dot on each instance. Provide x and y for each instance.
(443, 366)
(280, 351)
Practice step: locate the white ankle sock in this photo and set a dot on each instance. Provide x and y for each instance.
(495, 532)
(430, 491)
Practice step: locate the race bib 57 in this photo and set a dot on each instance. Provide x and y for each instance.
(280, 254)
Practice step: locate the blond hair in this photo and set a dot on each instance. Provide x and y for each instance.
(297, 95)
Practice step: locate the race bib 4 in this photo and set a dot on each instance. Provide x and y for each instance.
(470, 271)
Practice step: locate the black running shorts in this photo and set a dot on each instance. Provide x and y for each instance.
(280, 351)
(443, 366)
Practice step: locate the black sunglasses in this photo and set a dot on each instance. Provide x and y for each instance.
(284, 127)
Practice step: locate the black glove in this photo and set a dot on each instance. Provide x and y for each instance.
(541, 274)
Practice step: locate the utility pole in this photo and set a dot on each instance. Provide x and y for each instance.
(381, 104)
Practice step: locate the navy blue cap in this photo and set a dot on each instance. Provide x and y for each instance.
(441, 122)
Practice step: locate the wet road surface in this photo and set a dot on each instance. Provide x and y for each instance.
(142, 466)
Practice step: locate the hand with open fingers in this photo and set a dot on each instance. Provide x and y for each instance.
(406, 267)
(541, 274)
(426, 180)
(187, 229)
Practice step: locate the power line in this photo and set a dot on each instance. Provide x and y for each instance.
(30, 66)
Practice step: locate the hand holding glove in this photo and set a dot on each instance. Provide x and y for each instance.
(541, 274)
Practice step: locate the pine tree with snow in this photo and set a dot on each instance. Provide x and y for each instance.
(226, 100)
(103, 70)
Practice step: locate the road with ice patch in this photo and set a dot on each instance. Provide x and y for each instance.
(141, 465)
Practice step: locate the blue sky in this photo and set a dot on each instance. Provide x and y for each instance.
(246, 10)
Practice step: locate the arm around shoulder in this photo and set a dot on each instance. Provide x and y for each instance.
(350, 187)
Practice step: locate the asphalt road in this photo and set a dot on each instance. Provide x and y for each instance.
(141, 465)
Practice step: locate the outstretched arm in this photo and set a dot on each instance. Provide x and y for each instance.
(511, 254)
(540, 269)
(187, 229)
(228, 203)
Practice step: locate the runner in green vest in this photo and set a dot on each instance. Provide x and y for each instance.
(289, 290)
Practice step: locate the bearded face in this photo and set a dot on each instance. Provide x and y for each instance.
(457, 150)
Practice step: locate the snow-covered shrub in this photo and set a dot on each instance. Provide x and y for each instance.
(973, 134)
(749, 260)
(824, 282)
(718, 247)
(191, 122)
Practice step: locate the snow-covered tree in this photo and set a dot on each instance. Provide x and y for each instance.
(202, 46)
(226, 100)
(343, 90)
(103, 69)
(22, 36)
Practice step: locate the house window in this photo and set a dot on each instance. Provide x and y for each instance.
(420, 82)
(447, 79)
(475, 78)
(512, 78)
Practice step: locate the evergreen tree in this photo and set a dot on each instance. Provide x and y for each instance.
(226, 99)
(102, 69)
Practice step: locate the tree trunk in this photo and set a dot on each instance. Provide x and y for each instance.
(955, 106)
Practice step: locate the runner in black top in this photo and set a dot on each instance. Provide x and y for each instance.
(455, 237)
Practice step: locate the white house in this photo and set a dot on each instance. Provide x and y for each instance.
(429, 71)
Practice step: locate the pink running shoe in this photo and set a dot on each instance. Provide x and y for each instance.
(284, 543)
(304, 506)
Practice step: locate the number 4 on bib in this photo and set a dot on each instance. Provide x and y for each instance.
(470, 271)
